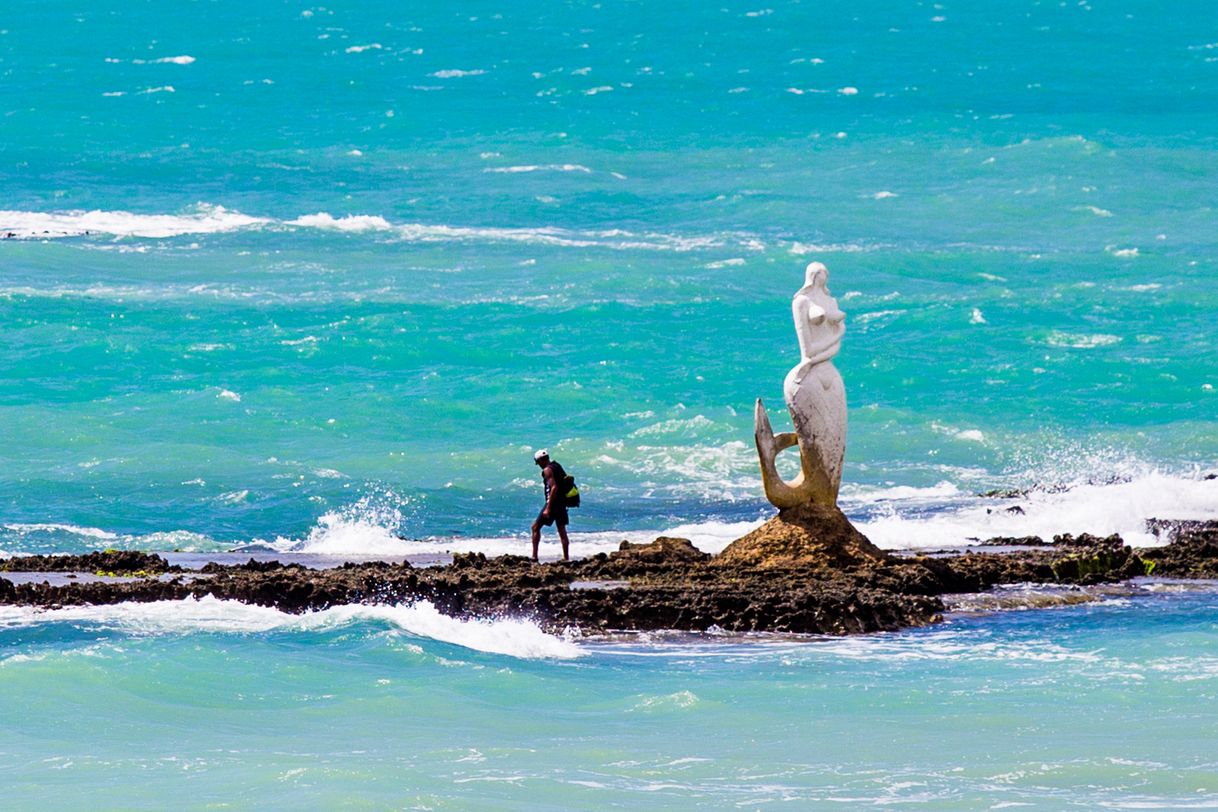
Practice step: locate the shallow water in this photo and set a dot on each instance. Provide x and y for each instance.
(1107, 705)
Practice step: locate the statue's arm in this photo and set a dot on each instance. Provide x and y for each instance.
(808, 310)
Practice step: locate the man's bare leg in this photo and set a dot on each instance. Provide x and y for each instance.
(566, 544)
(536, 538)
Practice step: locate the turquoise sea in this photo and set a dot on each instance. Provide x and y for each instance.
(319, 279)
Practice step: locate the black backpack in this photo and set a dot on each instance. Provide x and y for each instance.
(570, 491)
(567, 486)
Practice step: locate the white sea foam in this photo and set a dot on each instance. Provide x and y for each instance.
(353, 533)
(359, 49)
(614, 239)
(724, 472)
(945, 519)
(951, 646)
(164, 60)
(894, 517)
(537, 168)
(1058, 338)
(514, 637)
(202, 219)
(205, 218)
(354, 222)
(800, 249)
(456, 73)
(856, 495)
(371, 527)
(678, 701)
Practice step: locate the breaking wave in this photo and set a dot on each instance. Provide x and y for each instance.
(510, 636)
(205, 218)
(943, 516)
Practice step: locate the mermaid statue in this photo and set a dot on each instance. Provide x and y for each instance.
(816, 399)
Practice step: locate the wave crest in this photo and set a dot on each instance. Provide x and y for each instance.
(511, 636)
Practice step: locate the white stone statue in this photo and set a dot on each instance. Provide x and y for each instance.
(816, 399)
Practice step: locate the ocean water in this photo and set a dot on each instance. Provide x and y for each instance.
(219, 705)
(319, 279)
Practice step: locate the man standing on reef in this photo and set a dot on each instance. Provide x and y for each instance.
(555, 511)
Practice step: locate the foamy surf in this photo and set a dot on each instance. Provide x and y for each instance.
(206, 218)
(202, 219)
(510, 636)
(944, 517)
(895, 518)
(369, 530)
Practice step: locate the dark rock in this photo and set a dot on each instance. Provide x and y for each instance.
(1087, 540)
(117, 562)
(663, 549)
(1014, 541)
(1170, 529)
(253, 565)
(469, 561)
(1192, 554)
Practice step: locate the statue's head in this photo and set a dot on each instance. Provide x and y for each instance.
(818, 319)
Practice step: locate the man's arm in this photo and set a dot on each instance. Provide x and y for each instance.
(552, 501)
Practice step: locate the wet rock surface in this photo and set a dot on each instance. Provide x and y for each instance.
(793, 579)
(118, 562)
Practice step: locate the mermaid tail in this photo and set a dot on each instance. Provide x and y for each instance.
(817, 403)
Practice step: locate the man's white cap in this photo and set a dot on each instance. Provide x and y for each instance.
(542, 453)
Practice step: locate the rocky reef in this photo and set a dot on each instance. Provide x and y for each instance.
(806, 570)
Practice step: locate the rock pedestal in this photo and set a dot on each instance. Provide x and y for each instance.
(808, 535)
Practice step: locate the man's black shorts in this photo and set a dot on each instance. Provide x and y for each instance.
(558, 514)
